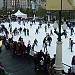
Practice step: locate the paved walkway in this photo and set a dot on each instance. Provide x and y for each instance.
(16, 64)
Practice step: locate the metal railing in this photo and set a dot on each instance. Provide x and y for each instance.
(66, 65)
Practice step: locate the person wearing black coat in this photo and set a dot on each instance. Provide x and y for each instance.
(45, 46)
(20, 38)
(73, 65)
(24, 30)
(35, 42)
(40, 54)
(36, 62)
(53, 60)
(49, 40)
(28, 32)
(20, 29)
(44, 41)
(28, 48)
(73, 60)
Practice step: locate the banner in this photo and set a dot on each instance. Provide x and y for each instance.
(58, 4)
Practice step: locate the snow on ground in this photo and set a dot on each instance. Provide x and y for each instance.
(66, 53)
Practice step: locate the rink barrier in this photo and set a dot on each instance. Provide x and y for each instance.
(66, 65)
(69, 68)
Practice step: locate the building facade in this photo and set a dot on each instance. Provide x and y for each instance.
(41, 3)
(4, 4)
(9, 4)
(17, 4)
(1, 4)
(24, 3)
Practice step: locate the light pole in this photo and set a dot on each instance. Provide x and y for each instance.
(48, 13)
(9, 15)
(58, 62)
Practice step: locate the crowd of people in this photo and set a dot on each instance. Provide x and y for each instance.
(42, 61)
(18, 47)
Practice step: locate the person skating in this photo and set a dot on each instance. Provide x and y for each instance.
(34, 21)
(45, 28)
(10, 29)
(45, 46)
(51, 33)
(36, 31)
(65, 34)
(72, 30)
(28, 32)
(49, 40)
(73, 66)
(72, 45)
(24, 30)
(33, 45)
(48, 24)
(44, 41)
(40, 23)
(30, 24)
(20, 30)
(20, 38)
(35, 42)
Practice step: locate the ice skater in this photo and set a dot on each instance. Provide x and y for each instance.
(28, 32)
(24, 30)
(45, 46)
(48, 24)
(36, 31)
(49, 39)
(35, 42)
(72, 30)
(72, 42)
(51, 33)
(45, 28)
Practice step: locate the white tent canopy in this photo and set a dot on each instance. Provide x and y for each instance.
(20, 14)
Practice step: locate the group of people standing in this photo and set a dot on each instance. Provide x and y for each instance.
(18, 48)
(47, 41)
(44, 61)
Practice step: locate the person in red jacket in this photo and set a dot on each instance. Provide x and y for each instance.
(48, 24)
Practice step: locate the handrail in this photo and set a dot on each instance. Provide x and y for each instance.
(69, 67)
(66, 65)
